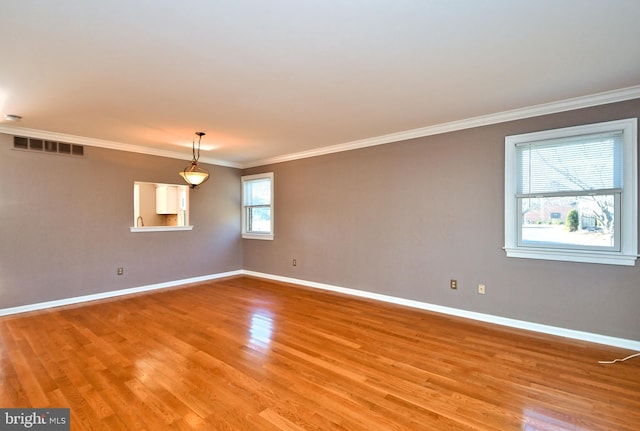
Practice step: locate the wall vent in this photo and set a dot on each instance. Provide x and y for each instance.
(46, 146)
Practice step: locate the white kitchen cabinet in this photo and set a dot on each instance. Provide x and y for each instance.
(167, 199)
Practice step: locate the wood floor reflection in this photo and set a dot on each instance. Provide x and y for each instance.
(249, 354)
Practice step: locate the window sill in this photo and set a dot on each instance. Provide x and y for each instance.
(159, 228)
(267, 236)
(573, 256)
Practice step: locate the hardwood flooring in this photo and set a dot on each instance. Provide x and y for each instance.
(250, 354)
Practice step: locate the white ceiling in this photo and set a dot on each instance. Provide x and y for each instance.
(265, 79)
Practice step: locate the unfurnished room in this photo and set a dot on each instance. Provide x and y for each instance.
(319, 215)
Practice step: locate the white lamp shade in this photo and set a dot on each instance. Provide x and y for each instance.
(195, 178)
(194, 175)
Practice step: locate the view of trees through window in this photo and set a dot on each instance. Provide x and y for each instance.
(569, 220)
(569, 189)
(259, 219)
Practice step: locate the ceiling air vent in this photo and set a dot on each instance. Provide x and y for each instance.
(45, 146)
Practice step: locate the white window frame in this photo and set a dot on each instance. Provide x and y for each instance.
(246, 234)
(627, 219)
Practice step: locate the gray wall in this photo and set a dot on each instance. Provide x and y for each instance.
(399, 219)
(64, 225)
(403, 219)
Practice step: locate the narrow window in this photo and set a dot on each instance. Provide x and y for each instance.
(257, 206)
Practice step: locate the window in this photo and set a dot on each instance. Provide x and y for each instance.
(257, 206)
(571, 194)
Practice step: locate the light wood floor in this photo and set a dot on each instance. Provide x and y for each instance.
(249, 354)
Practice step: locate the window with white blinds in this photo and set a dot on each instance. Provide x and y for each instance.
(571, 194)
(580, 165)
(257, 206)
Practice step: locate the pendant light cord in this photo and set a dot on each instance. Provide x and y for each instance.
(193, 148)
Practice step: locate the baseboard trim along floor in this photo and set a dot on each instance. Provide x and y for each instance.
(488, 318)
(113, 294)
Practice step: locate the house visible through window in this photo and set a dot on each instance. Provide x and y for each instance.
(257, 206)
(571, 194)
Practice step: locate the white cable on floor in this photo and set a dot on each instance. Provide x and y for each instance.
(619, 360)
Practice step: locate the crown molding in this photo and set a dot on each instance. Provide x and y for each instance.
(604, 98)
(112, 145)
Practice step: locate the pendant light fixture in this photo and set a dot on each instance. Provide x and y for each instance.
(193, 174)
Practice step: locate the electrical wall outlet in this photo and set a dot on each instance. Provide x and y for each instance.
(481, 289)
(120, 271)
(294, 262)
(453, 284)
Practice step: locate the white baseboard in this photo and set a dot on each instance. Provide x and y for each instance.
(513, 323)
(112, 294)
